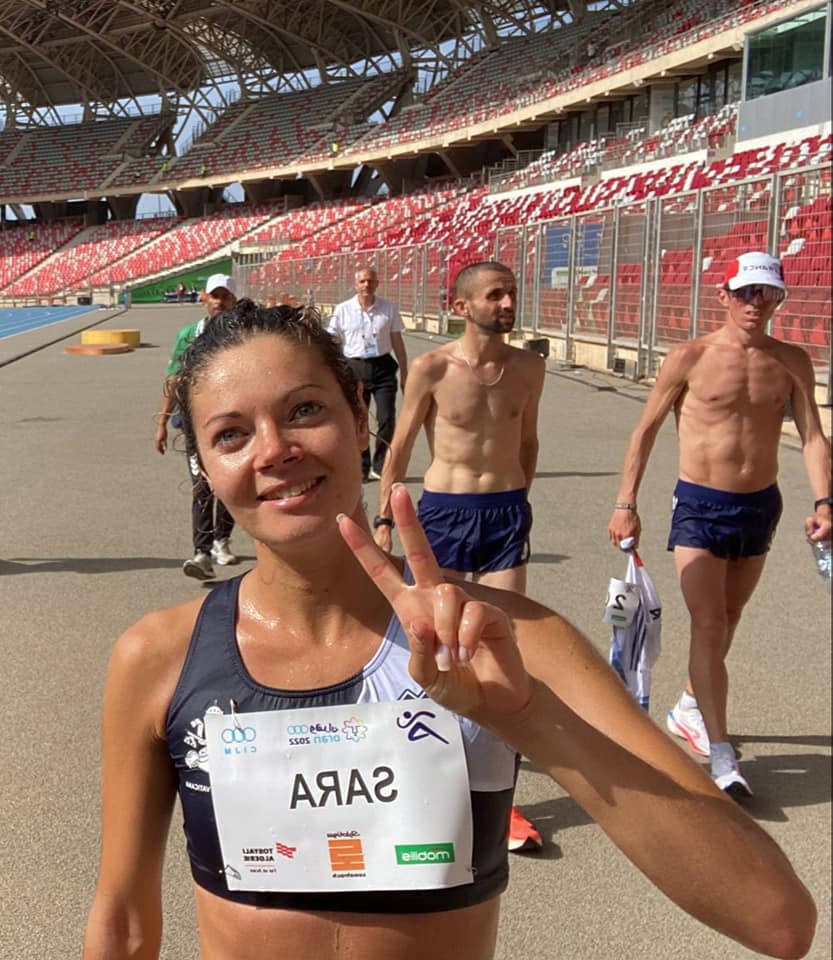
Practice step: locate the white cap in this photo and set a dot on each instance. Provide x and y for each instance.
(751, 268)
(217, 280)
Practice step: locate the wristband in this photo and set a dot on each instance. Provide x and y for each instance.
(382, 522)
(625, 506)
(823, 502)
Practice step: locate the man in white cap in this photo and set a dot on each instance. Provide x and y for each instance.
(211, 522)
(728, 390)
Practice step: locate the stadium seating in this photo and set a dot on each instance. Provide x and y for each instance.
(23, 247)
(70, 160)
(86, 254)
(490, 85)
(303, 222)
(190, 241)
(468, 222)
(281, 129)
(311, 127)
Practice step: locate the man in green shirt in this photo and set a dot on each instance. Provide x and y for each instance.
(211, 522)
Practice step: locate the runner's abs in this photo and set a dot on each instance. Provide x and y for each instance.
(449, 477)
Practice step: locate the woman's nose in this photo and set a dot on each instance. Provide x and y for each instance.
(273, 446)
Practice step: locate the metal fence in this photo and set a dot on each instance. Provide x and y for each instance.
(632, 279)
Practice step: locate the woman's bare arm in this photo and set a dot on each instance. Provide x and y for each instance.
(138, 790)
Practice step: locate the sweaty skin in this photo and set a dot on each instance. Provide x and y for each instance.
(477, 399)
(281, 446)
(476, 434)
(728, 391)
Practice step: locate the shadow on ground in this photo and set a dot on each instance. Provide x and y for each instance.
(17, 565)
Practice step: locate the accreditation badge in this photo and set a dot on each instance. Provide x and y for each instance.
(370, 796)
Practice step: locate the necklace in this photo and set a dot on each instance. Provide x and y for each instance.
(484, 383)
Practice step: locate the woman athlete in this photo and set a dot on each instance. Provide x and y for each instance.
(343, 728)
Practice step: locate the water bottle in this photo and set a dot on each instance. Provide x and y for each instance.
(821, 554)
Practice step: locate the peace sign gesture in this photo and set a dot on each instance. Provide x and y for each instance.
(463, 651)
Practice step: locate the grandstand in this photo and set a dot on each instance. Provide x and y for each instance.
(615, 154)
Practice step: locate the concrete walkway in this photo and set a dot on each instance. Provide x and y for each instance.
(95, 526)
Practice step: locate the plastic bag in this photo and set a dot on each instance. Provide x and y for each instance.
(635, 615)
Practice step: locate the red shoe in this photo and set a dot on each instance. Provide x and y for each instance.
(522, 834)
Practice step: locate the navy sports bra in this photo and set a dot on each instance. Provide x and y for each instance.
(214, 673)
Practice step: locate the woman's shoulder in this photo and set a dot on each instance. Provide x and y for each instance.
(152, 651)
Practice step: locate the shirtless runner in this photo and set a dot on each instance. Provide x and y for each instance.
(477, 399)
(728, 390)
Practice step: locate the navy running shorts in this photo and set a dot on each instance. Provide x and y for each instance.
(477, 532)
(728, 525)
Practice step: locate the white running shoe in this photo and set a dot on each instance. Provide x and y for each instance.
(688, 724)
(221, 553)
(199, 567)
(728, 777)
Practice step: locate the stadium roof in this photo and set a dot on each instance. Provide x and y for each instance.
(99, 52)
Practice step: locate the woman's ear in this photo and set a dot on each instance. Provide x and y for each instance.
(363, 429)
(362, 420)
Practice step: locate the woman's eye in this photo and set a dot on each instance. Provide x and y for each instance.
(308, 409)
(227, 437)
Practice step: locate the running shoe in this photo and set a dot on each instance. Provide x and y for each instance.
(688, 724)
(221, 553)
(199, 567)
(522, 834)
(372, 475)
(727, 776)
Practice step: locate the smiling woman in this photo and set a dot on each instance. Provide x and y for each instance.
(277, 423)
(343, 729)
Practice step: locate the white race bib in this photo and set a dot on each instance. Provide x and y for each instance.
(622, 603)
(370, 796)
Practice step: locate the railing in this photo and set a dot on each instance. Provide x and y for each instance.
(628, 281)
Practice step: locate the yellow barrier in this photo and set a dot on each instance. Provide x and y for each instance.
(131, 338)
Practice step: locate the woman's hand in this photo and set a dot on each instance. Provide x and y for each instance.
(463, 651)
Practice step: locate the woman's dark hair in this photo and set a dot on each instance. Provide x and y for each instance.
(245, 321)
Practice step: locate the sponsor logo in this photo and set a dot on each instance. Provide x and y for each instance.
(238, 735)
(257, 855)
(238, 740)
(354, 729)
(424, 853)
(418, 729)
(307, 734)
(197, 756)
(295, 729)
(285, 851)
(346, 854)
(199, 787)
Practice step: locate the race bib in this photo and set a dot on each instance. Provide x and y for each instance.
(622, 603)
(371, 796)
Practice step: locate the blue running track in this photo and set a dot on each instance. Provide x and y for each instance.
(14, 320)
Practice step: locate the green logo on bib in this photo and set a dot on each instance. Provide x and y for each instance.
(422, 853)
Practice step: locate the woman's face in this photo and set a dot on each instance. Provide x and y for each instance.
(277, 439)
